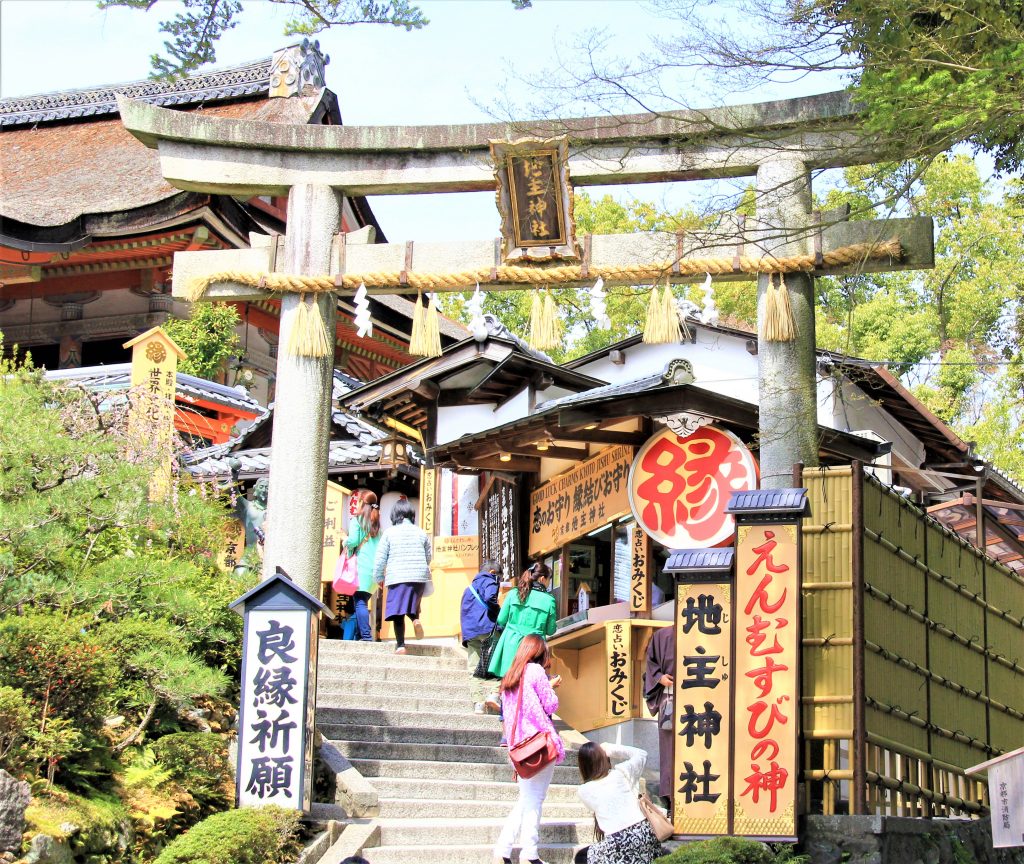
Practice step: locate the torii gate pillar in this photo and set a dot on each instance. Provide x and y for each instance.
(302, 415)
(787, 374)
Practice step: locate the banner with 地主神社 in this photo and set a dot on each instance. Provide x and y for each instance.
(584, 498)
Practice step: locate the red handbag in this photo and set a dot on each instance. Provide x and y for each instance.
(531, 755)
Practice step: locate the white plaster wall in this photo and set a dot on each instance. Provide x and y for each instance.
(458, 420)
(854, 410)
(720, 363)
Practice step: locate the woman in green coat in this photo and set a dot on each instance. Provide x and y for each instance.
(529, 610)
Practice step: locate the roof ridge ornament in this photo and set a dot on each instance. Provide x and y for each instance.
(298, 70)
(678, 371)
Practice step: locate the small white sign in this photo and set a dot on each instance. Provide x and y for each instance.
(271, 759)
(1005, 793)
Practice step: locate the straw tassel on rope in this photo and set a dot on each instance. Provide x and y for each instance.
(662, 324)
(416, 336)
(779, 324)
(431, 329)
(545, 326)
(308, 336)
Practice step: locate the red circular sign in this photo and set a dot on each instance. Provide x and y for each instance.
(679, 487)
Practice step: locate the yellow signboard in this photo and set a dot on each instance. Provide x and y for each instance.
(334, 536)
(766, 668)
(617, 660)
(580, 500)
(702, 712)
(428, 500)
(639, 572)
(456, 553)
(230, 555)
(154, 377)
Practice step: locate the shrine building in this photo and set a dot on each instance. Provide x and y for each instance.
(911, 557)
(88, 225)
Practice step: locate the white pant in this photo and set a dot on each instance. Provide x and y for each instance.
(524, 820)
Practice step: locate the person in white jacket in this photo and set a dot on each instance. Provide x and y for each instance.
(612, 794)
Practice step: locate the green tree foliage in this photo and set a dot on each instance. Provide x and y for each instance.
(113, 605)
(268, 835)
(195, 30)
(208, 337)
(954, 331)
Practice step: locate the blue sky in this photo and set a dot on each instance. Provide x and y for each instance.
(449, 72)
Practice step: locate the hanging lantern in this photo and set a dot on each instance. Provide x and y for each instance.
(394, 452)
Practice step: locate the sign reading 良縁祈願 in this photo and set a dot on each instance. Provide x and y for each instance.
(580, 500)
(679, 486)
(278, 694)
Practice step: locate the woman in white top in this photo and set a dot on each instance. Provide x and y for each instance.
(611, 793)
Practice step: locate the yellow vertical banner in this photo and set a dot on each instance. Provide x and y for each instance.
(766, 668)
(617, 659)
(154, 369)
(334, 536)
(428, 500)
(702, 712)
(230, 555)
(639, 572)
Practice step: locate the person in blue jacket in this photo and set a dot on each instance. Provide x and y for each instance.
(479, 611)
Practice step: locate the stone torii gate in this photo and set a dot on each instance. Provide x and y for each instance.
(778, 143)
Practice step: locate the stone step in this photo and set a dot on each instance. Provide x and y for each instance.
(431, 752)
(334, 647)
(331, 700)
(373, 767)
(439, 832)
(395, 674)
(375, 691)
(552, 853)
(435, 808)
(363, 716)
(478, 790)
(367, 663)
(486, 737)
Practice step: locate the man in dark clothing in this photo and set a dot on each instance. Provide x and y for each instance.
(658, 692)
(479, 611)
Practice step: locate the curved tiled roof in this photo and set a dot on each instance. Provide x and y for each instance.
(215, 85)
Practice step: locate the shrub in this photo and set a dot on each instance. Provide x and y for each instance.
(268, 835)
(16, 719)
(197, 761)
(721, 850)
(60, 670)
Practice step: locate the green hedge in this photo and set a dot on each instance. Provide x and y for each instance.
(730, 850)
(268, 835)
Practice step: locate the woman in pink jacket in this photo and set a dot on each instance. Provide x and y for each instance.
(529, 672)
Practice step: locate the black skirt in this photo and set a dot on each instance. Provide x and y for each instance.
(636, 844)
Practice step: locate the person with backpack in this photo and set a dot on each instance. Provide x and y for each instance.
(362, 542)
(478, 613)
(529, 609)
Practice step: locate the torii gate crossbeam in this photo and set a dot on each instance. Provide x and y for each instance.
(778, 143)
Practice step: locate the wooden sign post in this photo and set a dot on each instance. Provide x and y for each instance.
(278, 699)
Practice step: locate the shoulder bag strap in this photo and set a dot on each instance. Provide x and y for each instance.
(478, 599)
(519, 710)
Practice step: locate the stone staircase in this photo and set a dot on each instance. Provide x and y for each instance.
(443, 784)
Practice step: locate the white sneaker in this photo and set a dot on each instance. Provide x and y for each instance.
(479, 708)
